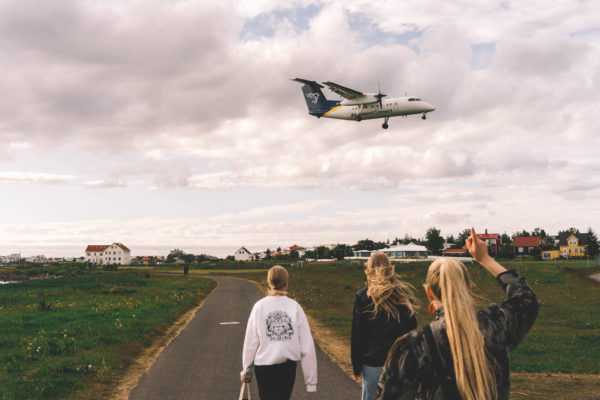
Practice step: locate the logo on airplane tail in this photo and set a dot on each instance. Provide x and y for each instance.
(313, 97)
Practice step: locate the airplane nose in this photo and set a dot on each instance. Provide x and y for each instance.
(431, 108)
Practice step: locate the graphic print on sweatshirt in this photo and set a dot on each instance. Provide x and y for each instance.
(279, 326)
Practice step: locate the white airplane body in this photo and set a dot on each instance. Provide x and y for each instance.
(358, 106)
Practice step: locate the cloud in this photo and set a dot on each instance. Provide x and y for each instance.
(193, 99)
(35, 177)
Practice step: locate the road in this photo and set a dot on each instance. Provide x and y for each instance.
(205, 359)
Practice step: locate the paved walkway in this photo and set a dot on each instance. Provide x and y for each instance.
(205, 360)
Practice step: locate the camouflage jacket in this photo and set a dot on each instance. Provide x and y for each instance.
(409, 372)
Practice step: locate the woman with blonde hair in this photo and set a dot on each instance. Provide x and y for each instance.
(462, 354)
(277, 336)
(383, 311)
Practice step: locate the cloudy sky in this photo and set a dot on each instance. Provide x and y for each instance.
(164, 124)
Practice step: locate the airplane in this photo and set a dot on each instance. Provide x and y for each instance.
(357, 105)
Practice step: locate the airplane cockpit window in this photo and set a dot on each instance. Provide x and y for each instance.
(411, 99)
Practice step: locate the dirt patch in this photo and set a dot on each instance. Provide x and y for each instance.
(145, 361)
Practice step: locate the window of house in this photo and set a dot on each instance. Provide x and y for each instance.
(520, 249)
(570, 251)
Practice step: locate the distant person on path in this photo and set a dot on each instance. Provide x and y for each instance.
(277, 336)
(462, 354)
(383, 311)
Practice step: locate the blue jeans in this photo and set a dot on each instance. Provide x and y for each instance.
(370, 379)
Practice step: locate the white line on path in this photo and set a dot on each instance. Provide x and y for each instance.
(229, 323)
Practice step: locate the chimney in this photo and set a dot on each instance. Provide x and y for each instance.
(486, 231)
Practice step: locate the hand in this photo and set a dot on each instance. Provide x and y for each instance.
(357, 378)
(243, 379)
(477, 247)
(479, 251)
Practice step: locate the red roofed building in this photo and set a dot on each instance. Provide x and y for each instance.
(493, 240)
(523, 245)
(116, 253)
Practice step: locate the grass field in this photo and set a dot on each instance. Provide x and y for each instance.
(74, 337)
(564, 339)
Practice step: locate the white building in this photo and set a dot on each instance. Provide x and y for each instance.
(11, 258)
(410, 250)
(242, 254)
(116, 253)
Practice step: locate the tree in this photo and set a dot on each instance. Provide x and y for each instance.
(548, 243)
(522, 233)
(323, 252)
(539, 232)
(174, 255)
(434, 241)
(506, 239)
(268, 255)
(342, 250)
(450, 239)
(592, 241)
(294, 255)
(461, 240)
(365, 244)
(506, 251)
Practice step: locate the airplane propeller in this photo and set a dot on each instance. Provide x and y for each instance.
(379, 95)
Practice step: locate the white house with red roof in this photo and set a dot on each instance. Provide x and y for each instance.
(523, 245)
(116, 253)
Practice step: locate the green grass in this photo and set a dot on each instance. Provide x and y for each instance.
(60, 336)
(564, 338)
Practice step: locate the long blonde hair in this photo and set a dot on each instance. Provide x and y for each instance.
(277, 279)
(450, 283)
(385, 288)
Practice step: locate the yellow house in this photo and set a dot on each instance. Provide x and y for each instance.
(573, 245)
(550, 254)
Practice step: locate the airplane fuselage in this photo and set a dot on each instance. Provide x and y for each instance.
(389, 108)
(357, 106)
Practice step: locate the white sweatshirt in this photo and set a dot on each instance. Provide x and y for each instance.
(278, 331)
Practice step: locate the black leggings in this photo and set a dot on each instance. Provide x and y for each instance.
(275, 382)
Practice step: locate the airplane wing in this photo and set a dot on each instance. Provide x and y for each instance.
(343, 91)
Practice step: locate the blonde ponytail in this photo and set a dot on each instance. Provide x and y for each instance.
(450, 283)
(385, 288)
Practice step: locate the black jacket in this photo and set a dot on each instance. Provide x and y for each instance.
(372, 336)
(409, 372)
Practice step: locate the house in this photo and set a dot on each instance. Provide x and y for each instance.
(242, 254)
(493, 240)
(524, 245)
(550, 254)
(116, 253)
(455, 252)
(572, 244)
(362, 253)
(410, 250)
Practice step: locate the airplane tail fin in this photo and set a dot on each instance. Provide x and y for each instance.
(315, 100)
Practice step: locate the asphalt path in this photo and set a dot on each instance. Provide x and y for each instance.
(204, 361)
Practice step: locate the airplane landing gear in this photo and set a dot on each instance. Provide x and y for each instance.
(385, 126)
(385, 123)
(424, 116)
(358, 119)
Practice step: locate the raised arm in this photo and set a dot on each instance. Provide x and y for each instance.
(479, 251)
(518, 312)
